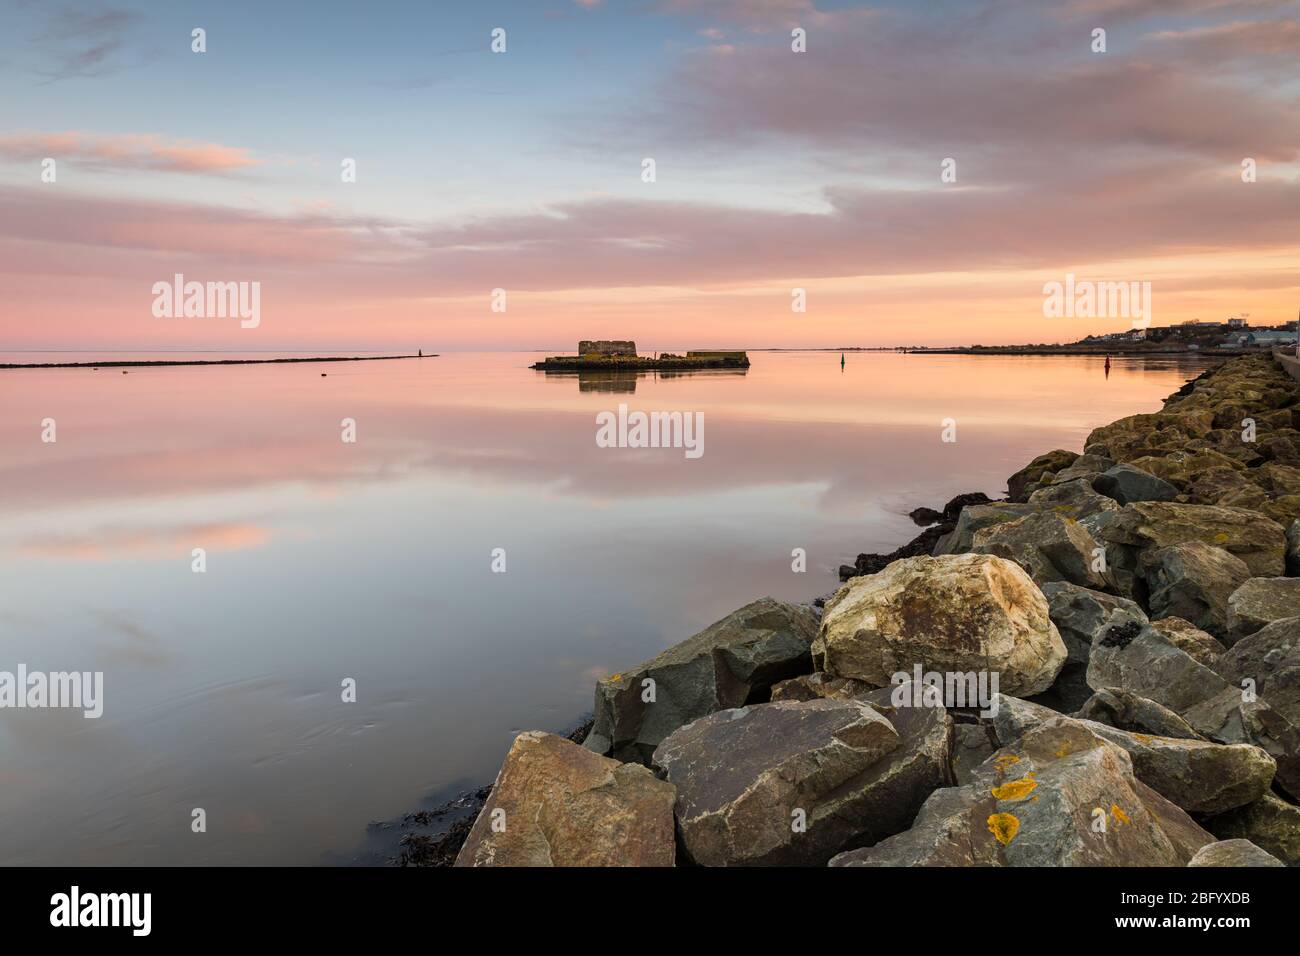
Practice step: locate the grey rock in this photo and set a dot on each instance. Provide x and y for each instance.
(1131, 655)
(1047, 546)
(1233, 853)
(1270, 823)
(1085, 466)
(1034, 803)
(1079, 614)
(1127, 484)
(974, 517)
(1195, 774)
(1261, 601)
(1193, 580)
(1127, 711)
(743, 775)
(971, 746)
(1073, 499)
(1270, 658)
(1052, 461)
(724, 666)
(1151, 525)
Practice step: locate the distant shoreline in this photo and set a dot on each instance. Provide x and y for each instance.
(158, 363)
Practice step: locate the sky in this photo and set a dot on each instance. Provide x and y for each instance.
(774, 170)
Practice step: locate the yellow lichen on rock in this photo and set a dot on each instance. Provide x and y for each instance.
(1004, 827)
(1015, 790)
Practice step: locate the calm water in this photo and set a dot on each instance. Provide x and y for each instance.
(372, 561)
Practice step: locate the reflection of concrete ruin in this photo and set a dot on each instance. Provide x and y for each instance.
(593, 381)
(619, 355)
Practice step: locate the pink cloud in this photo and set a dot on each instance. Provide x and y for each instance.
(126, 151)
(1248, 39)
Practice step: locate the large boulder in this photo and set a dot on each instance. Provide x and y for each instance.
(1048, 546)
(1151, 525)
(1033, 472)
(1127, 484)
(557, 804)
(1233, 853)
(957, 613)
(1270, 659)
(1193, 580)
(730, 663)
(1270, 823)
(1197, 775)
(1131, 655)
(793, 782)
(1041, 801)
(1259, 602)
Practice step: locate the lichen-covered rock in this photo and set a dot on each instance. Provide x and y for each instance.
(1183, 466)
(1058, 796)
(1184, 634)
(1270, 823)
(793, 782)
(1233, 853)
(1048, 547)
(1052, 461)
(1127, 484)
(1151, 525)
(1259, 602)
(971, 612)
(555, 803)
(726, 665)
(1197, 775)
(1127, 711)
(1193, 580)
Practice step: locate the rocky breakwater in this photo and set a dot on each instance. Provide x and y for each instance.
(1101, 669)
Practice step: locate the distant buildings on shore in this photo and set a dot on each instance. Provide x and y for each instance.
(1195, 334)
